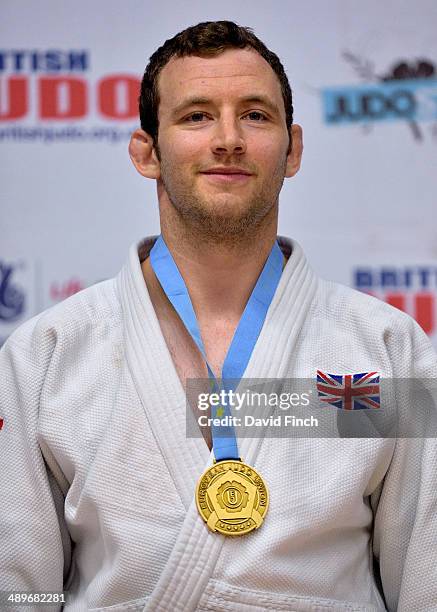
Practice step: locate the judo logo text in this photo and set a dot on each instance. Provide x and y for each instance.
(407, 92)
(62, 93)
(56, 90)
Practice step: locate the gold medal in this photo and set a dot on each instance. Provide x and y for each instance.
(232, 498)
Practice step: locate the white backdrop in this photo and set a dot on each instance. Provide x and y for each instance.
(362, 205)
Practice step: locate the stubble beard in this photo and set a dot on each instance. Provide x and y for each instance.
(219, 222)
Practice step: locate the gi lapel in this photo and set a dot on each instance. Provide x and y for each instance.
(273, 352)
(157, 383)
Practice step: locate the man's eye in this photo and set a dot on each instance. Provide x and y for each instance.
(196, 117)
(256, 116)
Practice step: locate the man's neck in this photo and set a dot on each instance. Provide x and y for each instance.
(219, 277)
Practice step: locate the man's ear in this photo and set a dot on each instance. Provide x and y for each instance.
(143, 155)
(295, 153)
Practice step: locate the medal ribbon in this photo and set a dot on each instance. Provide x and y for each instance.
(244, 339)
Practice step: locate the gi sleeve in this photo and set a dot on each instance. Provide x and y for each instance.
(405, 527)
(31, 522)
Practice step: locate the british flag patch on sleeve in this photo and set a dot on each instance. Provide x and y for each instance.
(349, 391)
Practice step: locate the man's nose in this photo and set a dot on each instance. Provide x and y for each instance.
(228, 137)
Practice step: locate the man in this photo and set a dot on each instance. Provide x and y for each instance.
(98, 479)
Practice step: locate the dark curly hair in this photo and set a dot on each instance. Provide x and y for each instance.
(205, 39)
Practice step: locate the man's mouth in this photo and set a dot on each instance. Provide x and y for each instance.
(227, 174)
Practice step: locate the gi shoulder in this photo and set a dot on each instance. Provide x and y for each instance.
(379, 326)
(71, 327)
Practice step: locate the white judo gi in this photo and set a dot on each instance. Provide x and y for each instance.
(97, 476)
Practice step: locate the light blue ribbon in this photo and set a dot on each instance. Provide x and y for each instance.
(223, 437)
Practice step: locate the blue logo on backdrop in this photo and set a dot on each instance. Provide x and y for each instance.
(12, 298)
(407, 93)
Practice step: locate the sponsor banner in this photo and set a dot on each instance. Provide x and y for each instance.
(365, 94)
(411, 288)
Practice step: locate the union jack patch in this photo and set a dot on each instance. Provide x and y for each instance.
(349, 391)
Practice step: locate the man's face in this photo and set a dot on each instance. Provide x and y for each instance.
(223, 140)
